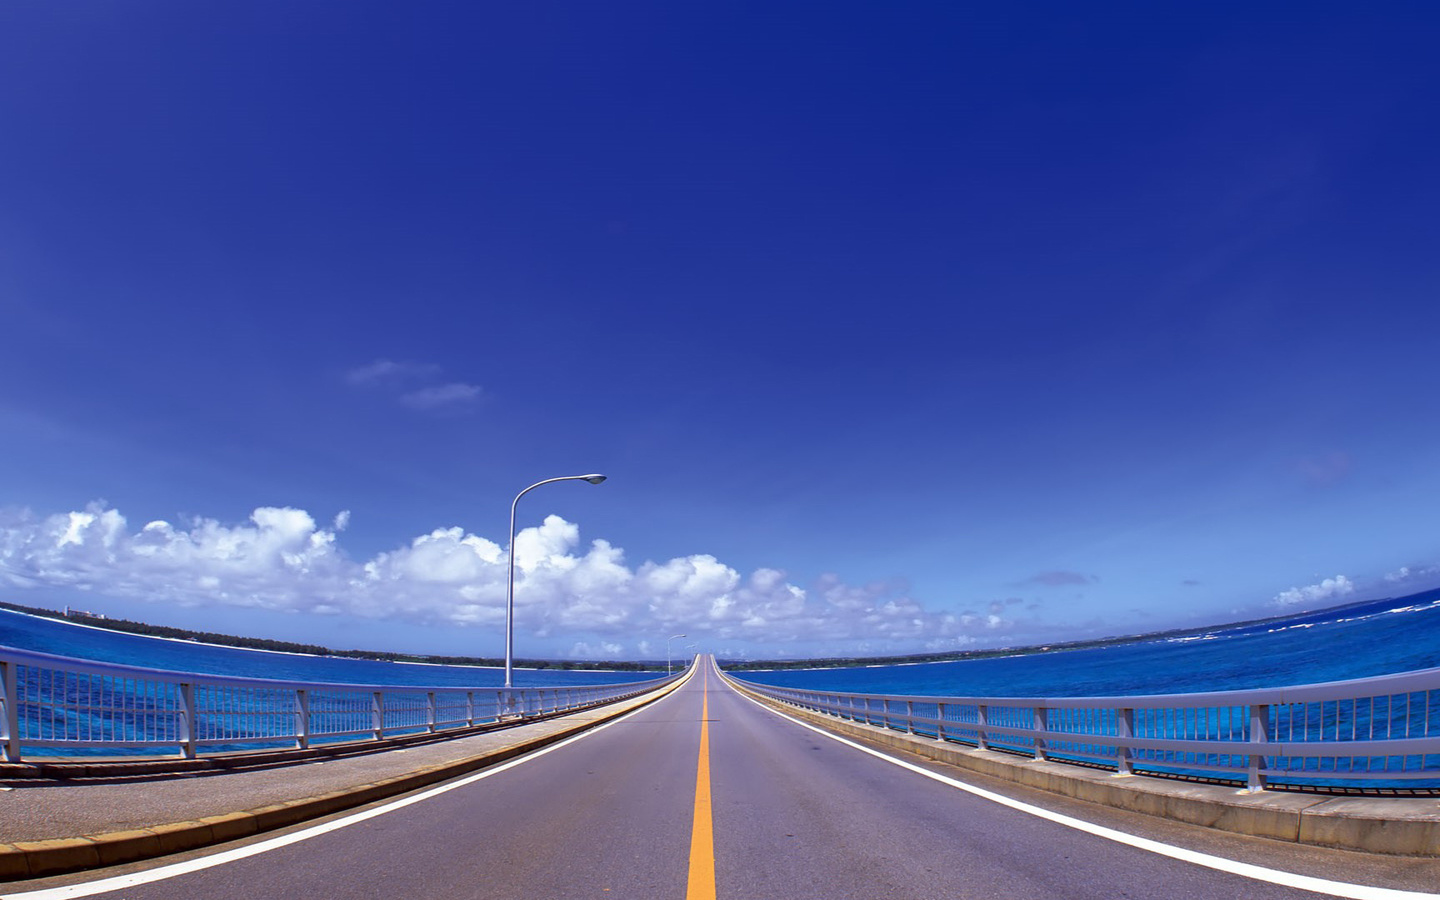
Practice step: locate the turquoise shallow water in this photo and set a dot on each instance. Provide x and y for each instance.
(100, 645)
(1384, 637)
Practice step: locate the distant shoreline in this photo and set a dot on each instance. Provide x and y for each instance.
(291, 648)
(65, 620)
(912, 659)
(266, 645)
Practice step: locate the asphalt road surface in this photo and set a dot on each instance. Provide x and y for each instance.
(705, 794)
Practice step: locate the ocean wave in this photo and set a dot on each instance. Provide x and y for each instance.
(1190, 638)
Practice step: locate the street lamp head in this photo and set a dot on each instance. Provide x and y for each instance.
(510, 588)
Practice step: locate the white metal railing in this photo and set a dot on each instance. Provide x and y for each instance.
(49, 701)
(1366, 733)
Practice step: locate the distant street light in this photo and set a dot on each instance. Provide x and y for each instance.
(667, 651)
(510, 594)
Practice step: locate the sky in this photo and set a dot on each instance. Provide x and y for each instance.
(895, 327)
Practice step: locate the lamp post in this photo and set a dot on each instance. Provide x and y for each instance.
(667, 651)
(510, 592)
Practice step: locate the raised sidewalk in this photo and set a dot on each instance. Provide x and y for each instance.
(1400, 826)
(73, 816)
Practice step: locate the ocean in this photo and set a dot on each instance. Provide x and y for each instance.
(28, 632)
(1377, 638)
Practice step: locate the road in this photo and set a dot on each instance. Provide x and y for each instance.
(705, 794)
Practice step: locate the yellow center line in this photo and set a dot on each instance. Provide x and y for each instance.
(702, 834)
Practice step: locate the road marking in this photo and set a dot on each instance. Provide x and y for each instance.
(1219, 863)
(121, 882)
(702, 834)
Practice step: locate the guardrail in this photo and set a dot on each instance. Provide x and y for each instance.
(53, 702)
(1372, 733)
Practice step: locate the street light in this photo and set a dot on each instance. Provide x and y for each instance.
(667, 651)
(510, 593)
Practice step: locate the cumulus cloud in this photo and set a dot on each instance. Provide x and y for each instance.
(283, 559)
(1329, 589)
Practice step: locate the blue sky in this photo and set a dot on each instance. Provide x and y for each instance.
(897, 327)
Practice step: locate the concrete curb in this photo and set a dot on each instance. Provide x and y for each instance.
(33, 859)
(1399, 826)
(144, 767)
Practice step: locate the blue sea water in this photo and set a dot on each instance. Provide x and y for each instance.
(101, 645)
(1382, 637)
(1379, 638)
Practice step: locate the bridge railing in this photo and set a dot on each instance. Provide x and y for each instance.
(52, 702)
(1376, 733)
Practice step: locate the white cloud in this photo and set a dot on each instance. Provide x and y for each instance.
(1329, 589)
(283, 559)
(385, 371)
(1411, 574)
(414, 385)
(441, 395)
(604, 649)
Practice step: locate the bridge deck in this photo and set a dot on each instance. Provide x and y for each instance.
(792, 813)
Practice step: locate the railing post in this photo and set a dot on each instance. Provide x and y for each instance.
(1124, 728)
(470, 708)
(1041, 720)
(430, 711)
(186, 724)
(302, 718)
(377, 714)
(940, 724)
(1259, 734)
(10, 697)
(909, 716)
(982, 727)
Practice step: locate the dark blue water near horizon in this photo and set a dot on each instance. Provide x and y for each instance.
(43, 635)
(1376, 638)
(1379, 638)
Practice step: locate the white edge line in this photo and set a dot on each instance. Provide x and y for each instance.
(120, 882)
(1219, 863)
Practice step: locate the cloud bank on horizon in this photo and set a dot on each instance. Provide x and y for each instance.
(283, 560)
